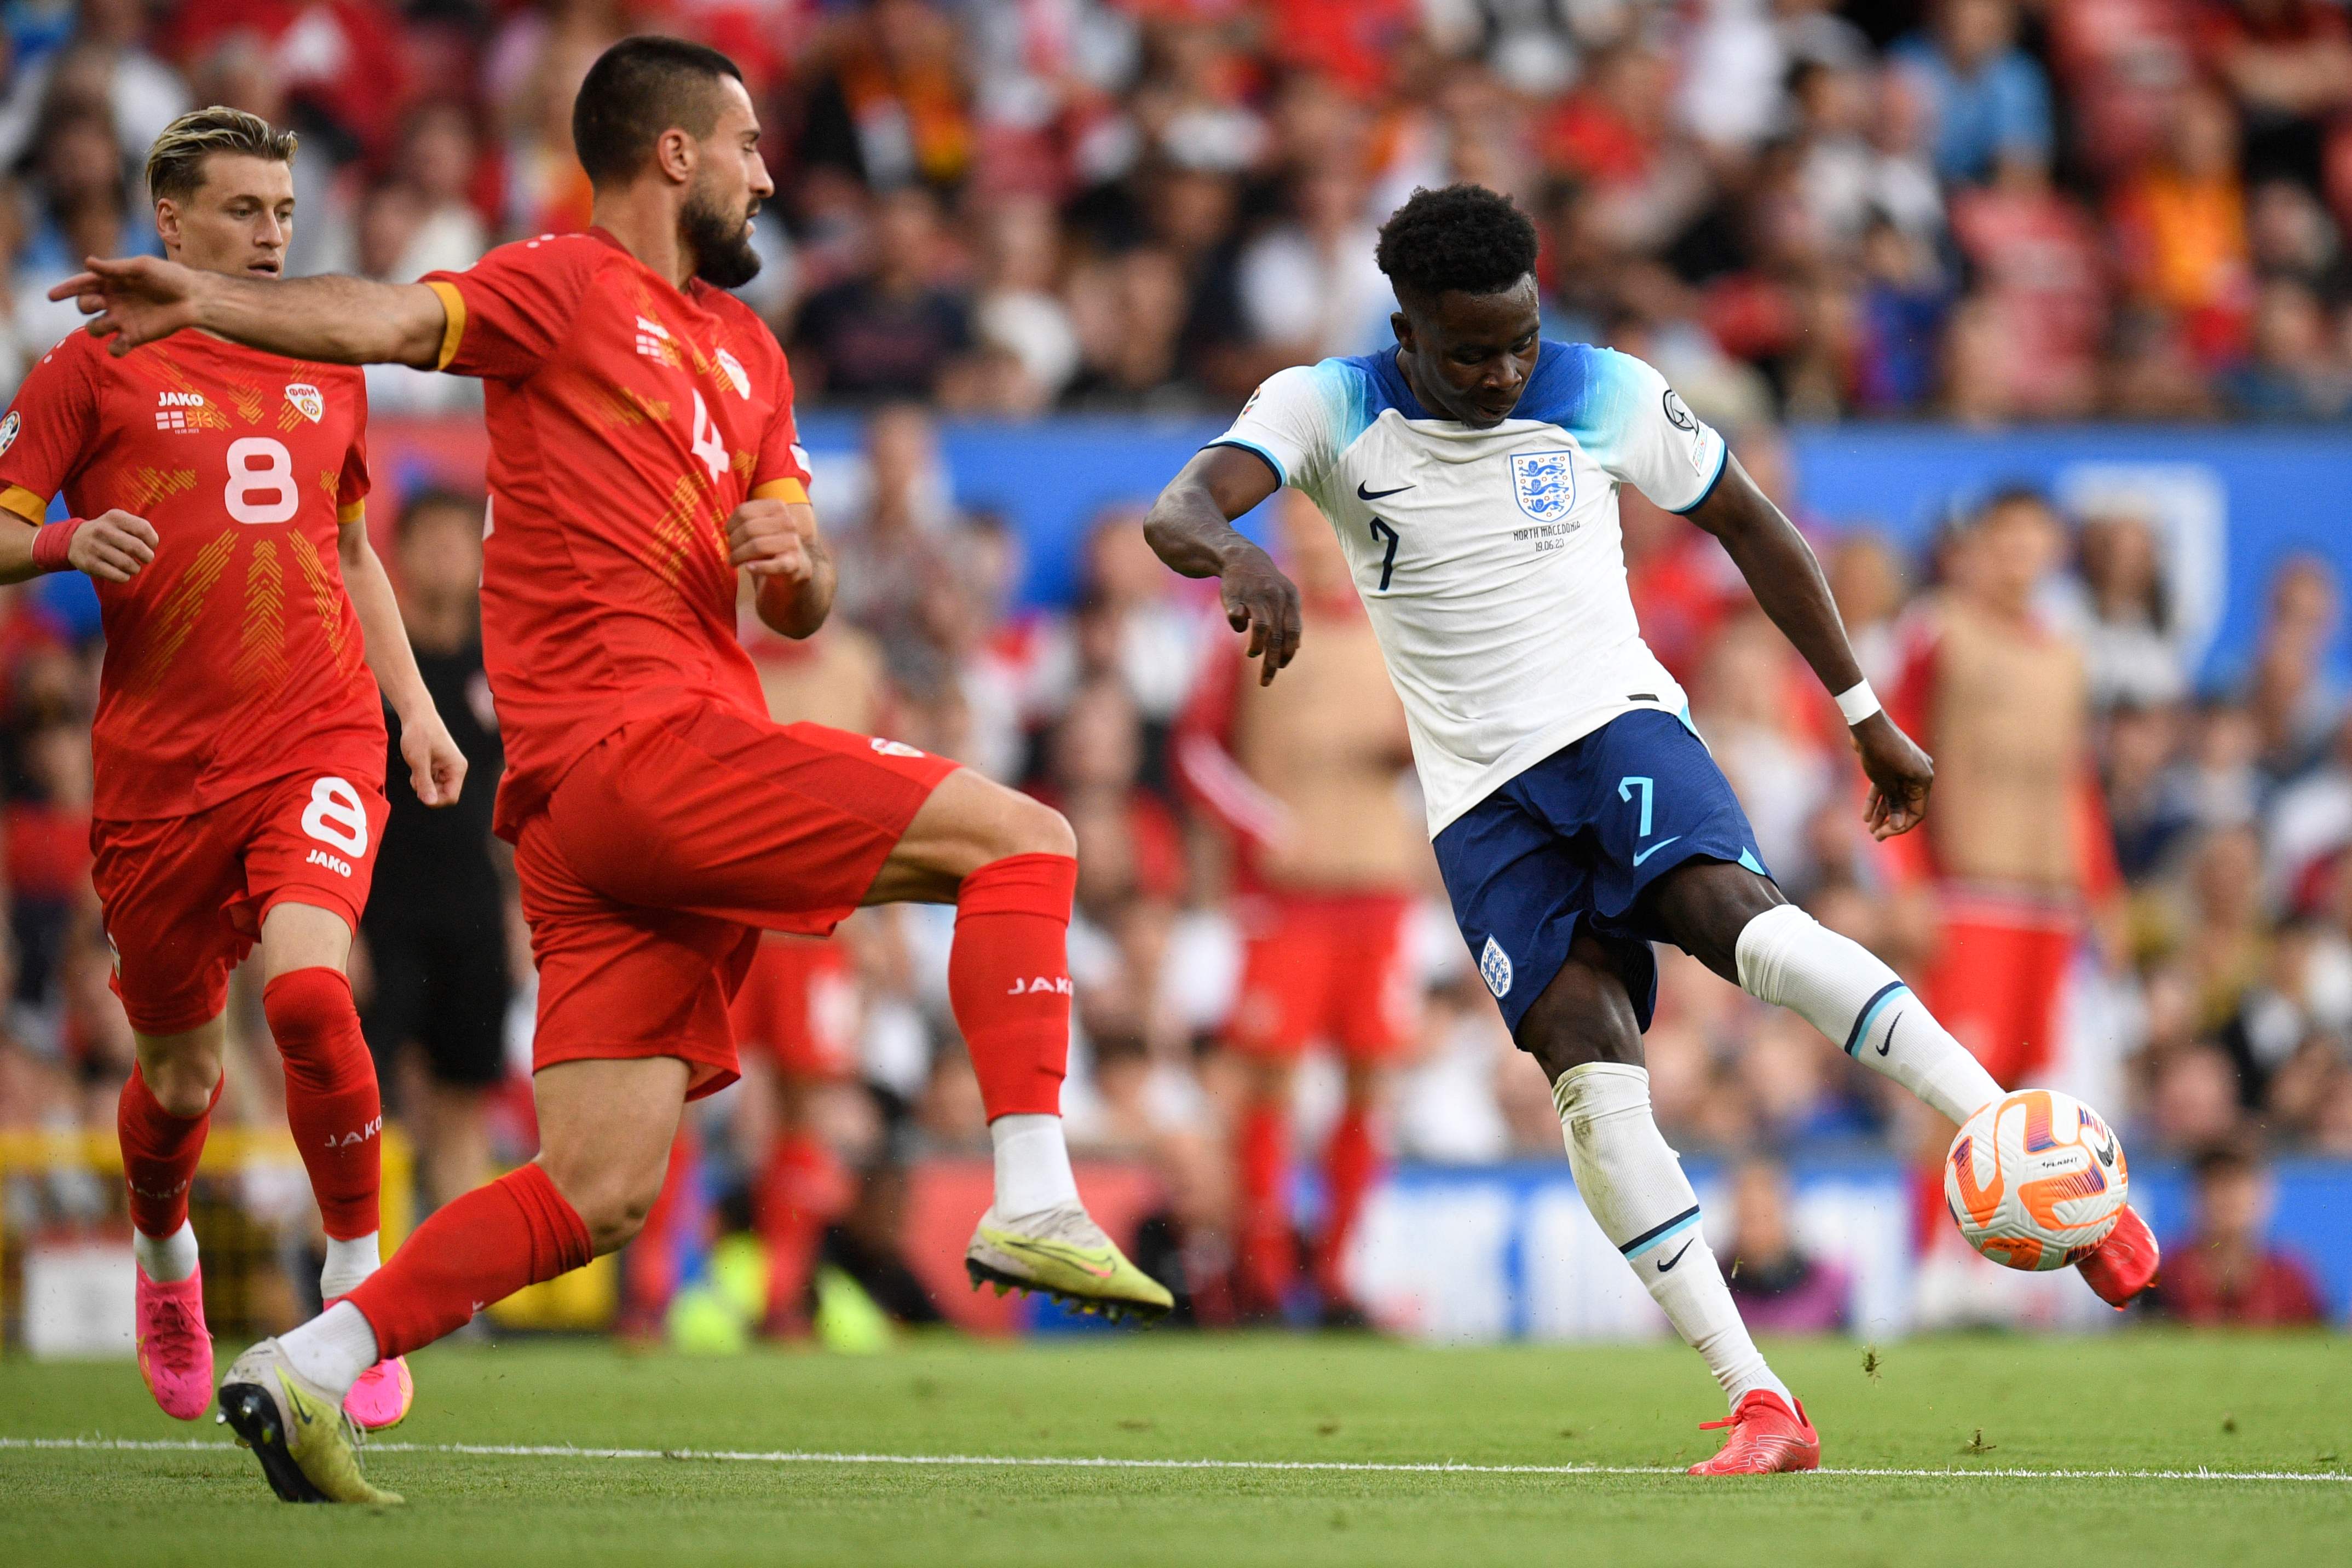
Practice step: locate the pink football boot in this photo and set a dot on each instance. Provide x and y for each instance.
(175, 1352)
(1767, 1435)
(382, 1397)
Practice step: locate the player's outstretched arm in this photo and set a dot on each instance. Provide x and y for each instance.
(338, 321)
(436, 768)
(1788, 582)
(1191, 528)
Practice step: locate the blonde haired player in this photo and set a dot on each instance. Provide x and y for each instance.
(642, 456)
(216, 494)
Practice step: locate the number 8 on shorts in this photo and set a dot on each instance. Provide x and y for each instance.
(335, 816)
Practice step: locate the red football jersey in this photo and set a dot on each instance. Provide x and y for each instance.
(235, 658)
(628, 419)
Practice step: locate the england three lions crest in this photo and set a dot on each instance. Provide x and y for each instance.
(1545, 483)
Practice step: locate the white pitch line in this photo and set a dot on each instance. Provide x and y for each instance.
(798, 1456)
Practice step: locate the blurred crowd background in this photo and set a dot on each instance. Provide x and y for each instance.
(1979, 212)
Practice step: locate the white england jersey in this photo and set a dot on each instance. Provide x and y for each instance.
(1491, 561)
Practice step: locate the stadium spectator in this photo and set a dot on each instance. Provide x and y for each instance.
(1989, 100)
(2223, 1270)
(894, 330)
(1780, 1289)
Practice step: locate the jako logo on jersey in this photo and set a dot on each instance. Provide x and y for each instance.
(8, 428)
(1545, 483)
(894, 748)
(1039, 986)
(320, 858)
(171, 408)
(306, 401)
(732, 368)
(1495, 968)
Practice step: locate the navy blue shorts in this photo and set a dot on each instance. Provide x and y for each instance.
(1572, 842)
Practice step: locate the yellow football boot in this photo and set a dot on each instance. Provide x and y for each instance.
(1063, 1253)
(308, 1448)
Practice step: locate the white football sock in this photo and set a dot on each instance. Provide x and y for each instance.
(1842, 989)
(348, 1263)
(332, 1348)
(1033, 1164)
(1634, 1186)
(166, 1259)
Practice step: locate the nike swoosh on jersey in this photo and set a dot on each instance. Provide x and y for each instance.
(1652, 849)
(1363, 494)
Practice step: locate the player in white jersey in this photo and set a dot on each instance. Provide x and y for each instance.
(1471, 473)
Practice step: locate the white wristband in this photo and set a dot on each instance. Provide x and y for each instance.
(1857, 702)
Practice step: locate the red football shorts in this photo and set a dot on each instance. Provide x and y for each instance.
(669, 848)
(1995, 984)
(1334, 967)
(799, 1006)
(185, 897)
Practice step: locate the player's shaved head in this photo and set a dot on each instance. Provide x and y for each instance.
(638, 88)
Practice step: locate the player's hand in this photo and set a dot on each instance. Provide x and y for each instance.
(136, 299)
(1900, 776)
(1261, 601)
(773, 538)
(436, 768)
(113, 547)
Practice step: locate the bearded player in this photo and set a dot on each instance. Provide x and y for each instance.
(642, 454)
(1471, 475)
(240, 747)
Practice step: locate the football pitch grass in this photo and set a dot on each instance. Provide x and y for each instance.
(2142, 1448)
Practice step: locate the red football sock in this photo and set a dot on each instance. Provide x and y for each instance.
(1269, 1253)
(1009, 980)
(159, 1155)
(1351, 1163)
(331, 1101)
(477, 1249)
(803, 1187)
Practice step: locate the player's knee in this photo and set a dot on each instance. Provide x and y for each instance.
(183, 1083)
(611, 1200)
(615, 1211)
(1703, 905)
(1584, 1015)
(1033, 827)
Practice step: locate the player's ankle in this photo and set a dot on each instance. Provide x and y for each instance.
(1033, 1164)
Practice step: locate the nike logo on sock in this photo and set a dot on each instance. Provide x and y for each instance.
(1668, 1267)
(1888, 1044)
(1363, 494)
(1653, 848)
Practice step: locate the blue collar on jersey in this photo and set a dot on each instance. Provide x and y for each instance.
(1552, 392)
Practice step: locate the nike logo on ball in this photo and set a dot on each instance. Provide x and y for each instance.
(1363, 494)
